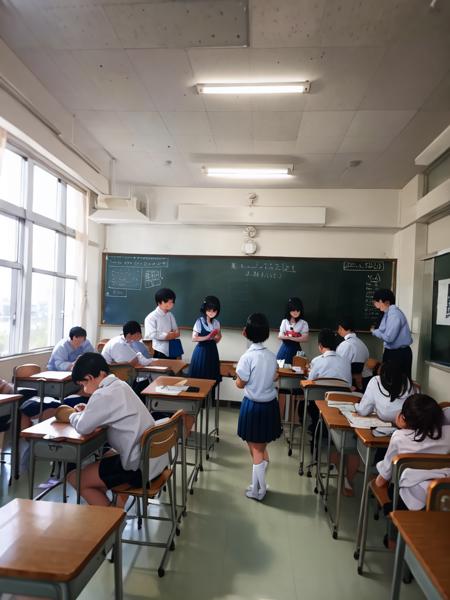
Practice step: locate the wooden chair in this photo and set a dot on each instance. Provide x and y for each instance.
(123, 371)
(301, 361)
(26, 370)
(400, 463)
(374, 365)
(155, 442)
(438, 497)
(101, 344)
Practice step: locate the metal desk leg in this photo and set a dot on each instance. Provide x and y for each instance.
(327, 485)
(303, 437)
(15, 429)
(207, 400)
(319, 485)
(200, 445)
(364, 499)
(41, 399)
(31, 470)
(398, 564)
(118, 589)
(217, 413)
(340, 482)
(78, 475)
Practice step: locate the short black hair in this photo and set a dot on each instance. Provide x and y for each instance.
(294, 303)
(89, 363)
(424, 416)
(384, 295)
(164, 295)
(77, 331)
(210, 303)
(131, 327)
(346, 323)
(328, 339)
(257, 328)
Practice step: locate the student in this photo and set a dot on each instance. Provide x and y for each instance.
(386, 393)
(66, 351)
(119, 349)
(328, 364)
(393, 330)
(206, 334)
(161, 327)
(293, 330)
(353, 349)
(113, 405)
(423, 427)
(259, 417)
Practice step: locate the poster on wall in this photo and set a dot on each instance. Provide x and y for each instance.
(443, 302)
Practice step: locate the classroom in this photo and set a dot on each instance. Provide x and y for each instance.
(253, 156)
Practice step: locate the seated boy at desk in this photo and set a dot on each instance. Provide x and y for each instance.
(121, 348)
(66, 351)
(160, 324)
(329, 364)
(354, 350)
(113, 405)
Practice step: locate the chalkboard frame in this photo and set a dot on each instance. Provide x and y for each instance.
(392, 261)
(438, 353)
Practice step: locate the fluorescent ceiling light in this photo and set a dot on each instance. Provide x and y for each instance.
(269, 172)
(298, 87)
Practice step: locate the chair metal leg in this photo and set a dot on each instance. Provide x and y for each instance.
(362, 548)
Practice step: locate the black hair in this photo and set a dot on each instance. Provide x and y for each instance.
(131, 327)
(89, 363)
(77, 332)
(164, 295)
(424, 415)
(210, 303)
(346, 323)
(394, 380)
(384, 295)
(328, 339)
(257, 328)
(294, 303)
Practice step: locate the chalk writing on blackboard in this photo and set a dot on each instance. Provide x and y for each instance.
(372, 283)
(142, 262)
(262, 267)
(363, 265)
(116, 293)
(126, 278)
(152, 278)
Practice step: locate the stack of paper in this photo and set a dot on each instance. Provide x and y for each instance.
(171, 390)
(342, 406)
(365, 422)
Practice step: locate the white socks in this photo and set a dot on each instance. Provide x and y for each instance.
(258, 487)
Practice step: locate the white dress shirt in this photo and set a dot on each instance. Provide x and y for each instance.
(354, 350)
(414, 484)
(329, 364)
(157, 325)
(301, 327)
(377, 399)
(118, 350)
(257, 367)
(115, 406)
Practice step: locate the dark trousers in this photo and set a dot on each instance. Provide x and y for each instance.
(400, 356)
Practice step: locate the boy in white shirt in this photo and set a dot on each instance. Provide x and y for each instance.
(354, 350)
(160, 325)
(120, 349)
(329, 364)
(115, 406)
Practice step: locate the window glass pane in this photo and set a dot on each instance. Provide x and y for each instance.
(11, 169)
(5, 309)
(69, 305)
(43, 294)
(75, 208)
(44, 248)
(9, 229)
(73, 256)
(45, 193)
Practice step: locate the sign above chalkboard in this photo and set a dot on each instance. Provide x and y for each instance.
(329, 287)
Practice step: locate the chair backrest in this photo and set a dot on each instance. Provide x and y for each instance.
(100, 346)
(160, 439)
(125, 372)
(438, 496)
(374, 365)
(322, 386)
(25, 371)
(343, 396)
(300, 361)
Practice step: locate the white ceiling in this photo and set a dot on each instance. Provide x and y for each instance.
(379, 70)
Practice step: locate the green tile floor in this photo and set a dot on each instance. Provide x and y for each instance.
(233, 548)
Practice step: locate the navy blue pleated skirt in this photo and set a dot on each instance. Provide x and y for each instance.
(288, 350)
(205, 362)
(259, 422)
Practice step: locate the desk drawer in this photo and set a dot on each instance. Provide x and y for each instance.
(171, 406)
(55, 450)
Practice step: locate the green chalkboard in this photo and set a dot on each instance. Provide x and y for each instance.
(440, 329)
(328, 287)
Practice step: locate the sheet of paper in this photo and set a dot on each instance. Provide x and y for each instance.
(171, 390)
(365, 422)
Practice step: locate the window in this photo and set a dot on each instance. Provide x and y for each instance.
(11, 177)
(40, 259)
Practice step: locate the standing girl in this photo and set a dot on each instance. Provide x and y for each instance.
(206, 333)
(259, 417)
(293, 330)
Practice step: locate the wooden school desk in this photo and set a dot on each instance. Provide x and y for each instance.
(13, 400)
(424, 543)
(54, 441)
(192, 403)
(367, 445)
(54, 549)
(333, 419)
(57, 384)
(163, 366)
(289, 374)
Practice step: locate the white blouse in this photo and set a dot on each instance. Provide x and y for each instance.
(300, 327)
(377, 399)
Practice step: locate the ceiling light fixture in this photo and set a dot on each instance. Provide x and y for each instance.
(250, 172)
(298, 87)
